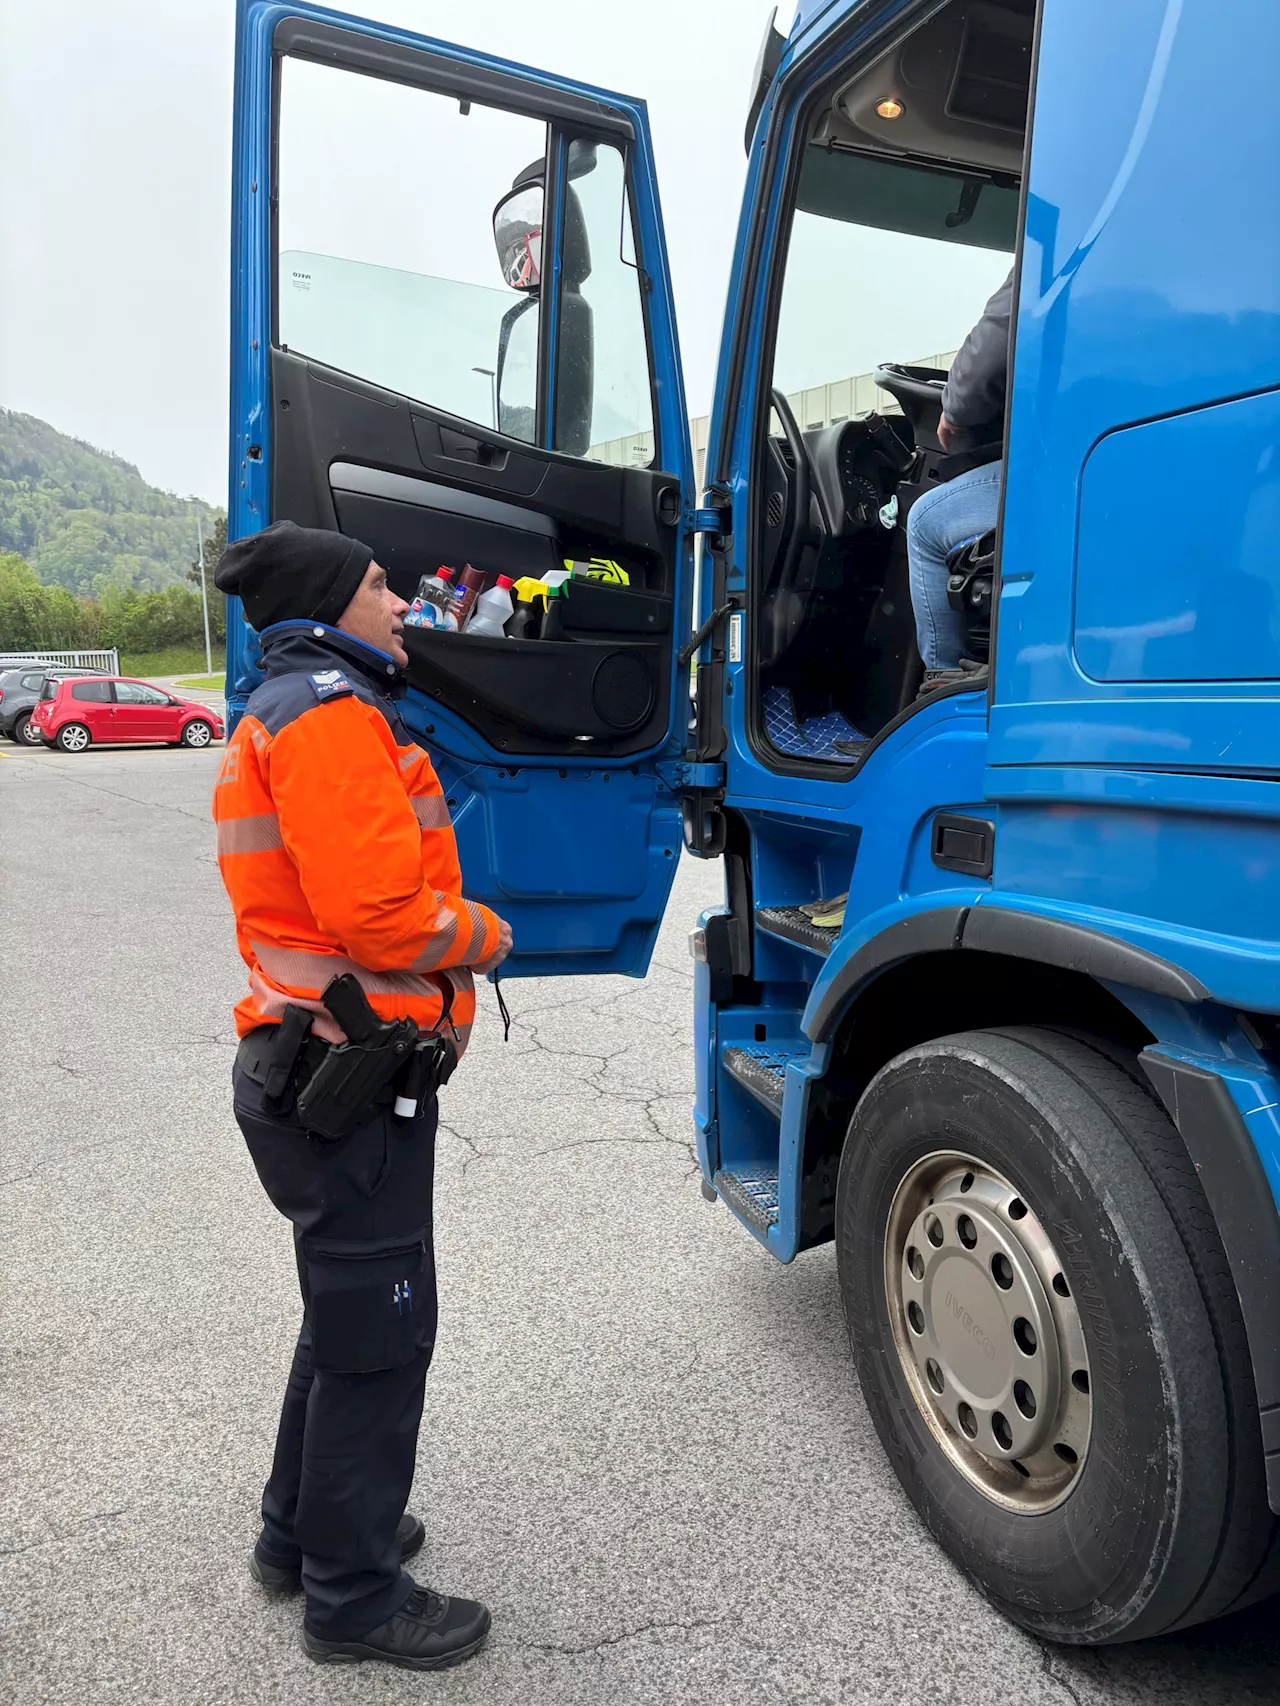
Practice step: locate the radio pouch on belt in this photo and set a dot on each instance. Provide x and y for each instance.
(341, 1094)
(432, 1062)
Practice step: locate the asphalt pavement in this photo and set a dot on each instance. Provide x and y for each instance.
(643, 1442)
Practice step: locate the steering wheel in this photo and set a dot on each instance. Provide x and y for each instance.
(784, 608)
(918, 393)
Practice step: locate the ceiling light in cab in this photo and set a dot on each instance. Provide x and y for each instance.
(890, 107)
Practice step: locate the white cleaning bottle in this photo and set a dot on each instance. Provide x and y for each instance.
(493, 610)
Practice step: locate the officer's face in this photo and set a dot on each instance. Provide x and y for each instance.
(375, 615)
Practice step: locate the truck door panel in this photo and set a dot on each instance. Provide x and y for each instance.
(453, 338)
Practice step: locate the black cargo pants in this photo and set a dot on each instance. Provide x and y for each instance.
(345, 1449)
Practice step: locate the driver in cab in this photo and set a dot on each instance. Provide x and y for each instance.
(966, 503)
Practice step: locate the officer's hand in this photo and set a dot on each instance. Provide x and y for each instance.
(500, 952)
(945, 430)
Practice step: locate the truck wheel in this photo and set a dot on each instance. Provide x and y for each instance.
(1048, 1337)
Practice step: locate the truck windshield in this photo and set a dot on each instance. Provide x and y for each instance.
(887, 262)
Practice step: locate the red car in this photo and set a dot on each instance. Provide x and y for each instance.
(98, 710)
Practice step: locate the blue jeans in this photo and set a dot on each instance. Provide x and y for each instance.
(963, 508)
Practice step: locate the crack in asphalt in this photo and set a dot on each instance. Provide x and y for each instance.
(1046, 1665)
(64, 1534)
(129, 799)
(594, 1648)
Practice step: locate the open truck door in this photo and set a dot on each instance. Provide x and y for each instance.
(453, 338)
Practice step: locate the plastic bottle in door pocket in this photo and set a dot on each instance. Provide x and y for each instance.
(492, 611)
(434, 605)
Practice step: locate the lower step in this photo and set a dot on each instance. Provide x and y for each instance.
(751, 1194)
(761, 1069)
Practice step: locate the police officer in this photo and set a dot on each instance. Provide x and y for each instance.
(335, 845)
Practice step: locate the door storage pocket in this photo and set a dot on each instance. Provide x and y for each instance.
(372, 1306)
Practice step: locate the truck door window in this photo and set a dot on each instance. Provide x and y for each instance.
(386, 260)
(604, 407)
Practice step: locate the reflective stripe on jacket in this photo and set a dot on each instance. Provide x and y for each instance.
(335, 844)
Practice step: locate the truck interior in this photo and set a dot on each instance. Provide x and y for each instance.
(910, 170)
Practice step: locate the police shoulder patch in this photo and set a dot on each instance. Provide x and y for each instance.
(329, 684)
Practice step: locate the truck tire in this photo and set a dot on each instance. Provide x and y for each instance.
(1048, 1338)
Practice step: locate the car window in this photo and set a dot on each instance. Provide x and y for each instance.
(135, 693)
(31, 683)
(96, 692)
(49, 690)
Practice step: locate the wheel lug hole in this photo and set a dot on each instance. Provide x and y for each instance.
(1001, 1431)
(1024, 1336)
(1080, 1380)
(966, 1231)
(935, 1375)
(1002, 1270)
(933, 1231)
(968, 1422)
(915, 1263)
(1024, 1398)
(915, 1315)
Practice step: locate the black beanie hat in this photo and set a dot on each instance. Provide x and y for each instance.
(288, 573)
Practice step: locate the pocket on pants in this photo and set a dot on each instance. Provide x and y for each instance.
(371, 1306)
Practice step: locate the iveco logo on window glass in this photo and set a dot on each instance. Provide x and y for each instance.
(301, 280)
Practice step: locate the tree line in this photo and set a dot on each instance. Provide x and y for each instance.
(85, 519)
(33, 615)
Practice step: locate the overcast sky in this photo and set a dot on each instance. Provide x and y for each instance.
(115, 148)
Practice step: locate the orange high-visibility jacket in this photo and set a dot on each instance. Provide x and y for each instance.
(335, 845)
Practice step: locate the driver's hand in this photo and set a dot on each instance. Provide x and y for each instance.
(946, 429)
(499, 953)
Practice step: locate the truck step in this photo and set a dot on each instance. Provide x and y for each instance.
(751, 1194)
(793, 925)
(761, 1069)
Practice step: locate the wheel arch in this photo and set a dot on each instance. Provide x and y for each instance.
(975, 967)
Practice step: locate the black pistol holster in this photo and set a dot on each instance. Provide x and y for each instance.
(339, 1094)
(353, 1075)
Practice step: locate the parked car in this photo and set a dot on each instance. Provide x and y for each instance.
(20, 689)
(76, 712)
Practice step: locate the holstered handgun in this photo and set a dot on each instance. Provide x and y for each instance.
(338, 1097)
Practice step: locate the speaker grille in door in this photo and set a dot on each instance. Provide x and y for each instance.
(622, 690)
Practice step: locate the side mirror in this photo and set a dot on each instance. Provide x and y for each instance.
(517, 235)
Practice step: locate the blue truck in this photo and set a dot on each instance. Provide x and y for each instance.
(992, 998)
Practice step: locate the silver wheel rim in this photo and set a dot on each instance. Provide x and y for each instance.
(30, 734)
(987, 1331)
(198, 734)
(75, 739)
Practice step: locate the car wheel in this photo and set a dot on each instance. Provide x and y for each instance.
(1048, 1337)
(196, 734)
(72, 737)
(24, 731)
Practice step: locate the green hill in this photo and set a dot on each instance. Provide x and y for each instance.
(86, 520)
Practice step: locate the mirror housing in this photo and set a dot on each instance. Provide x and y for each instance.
(517, 235)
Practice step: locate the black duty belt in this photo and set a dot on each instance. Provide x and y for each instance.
(334, 1088)
(258, 1051)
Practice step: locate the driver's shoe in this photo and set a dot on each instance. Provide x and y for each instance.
(429, 1632)
(287, 1578)
(970, 673)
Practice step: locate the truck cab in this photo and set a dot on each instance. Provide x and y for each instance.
(991, 1001)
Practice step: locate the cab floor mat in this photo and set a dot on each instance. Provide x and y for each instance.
(815, 738)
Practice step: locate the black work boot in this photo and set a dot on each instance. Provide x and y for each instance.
(429, 1632)
(287, 1578)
